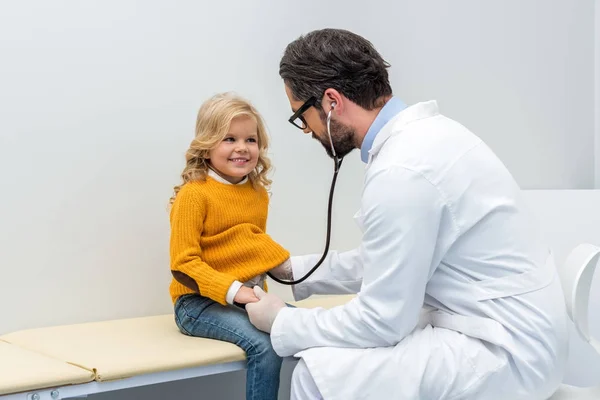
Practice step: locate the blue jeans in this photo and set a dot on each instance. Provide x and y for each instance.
(200, 316)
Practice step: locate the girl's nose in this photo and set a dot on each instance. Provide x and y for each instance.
(241, 147)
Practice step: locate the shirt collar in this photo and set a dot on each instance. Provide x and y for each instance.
(219, 178)
(389, 111)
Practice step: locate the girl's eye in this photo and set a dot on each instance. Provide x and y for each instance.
(229, 139)
(252, 140)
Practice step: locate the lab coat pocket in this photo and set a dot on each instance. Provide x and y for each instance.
(469, 366)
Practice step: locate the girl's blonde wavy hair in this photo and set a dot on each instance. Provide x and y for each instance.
(212, 126)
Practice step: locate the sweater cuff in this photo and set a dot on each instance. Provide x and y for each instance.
(219, 286)
(233, 289)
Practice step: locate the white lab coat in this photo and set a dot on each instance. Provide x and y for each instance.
(458, 296)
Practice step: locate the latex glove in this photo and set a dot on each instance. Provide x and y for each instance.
(262, 314)
(283, 270)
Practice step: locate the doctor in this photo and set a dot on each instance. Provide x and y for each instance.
(457, 294)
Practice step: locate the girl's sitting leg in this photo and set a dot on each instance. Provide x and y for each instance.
(199, 316)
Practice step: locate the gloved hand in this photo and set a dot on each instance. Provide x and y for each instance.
(262, 313)
(283, 270)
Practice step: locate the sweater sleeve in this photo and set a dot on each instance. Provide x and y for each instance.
(187, 266)
(264, 197)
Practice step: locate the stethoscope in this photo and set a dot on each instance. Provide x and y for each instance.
(337, 164)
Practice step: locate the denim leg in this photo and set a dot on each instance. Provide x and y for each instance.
(202, 317)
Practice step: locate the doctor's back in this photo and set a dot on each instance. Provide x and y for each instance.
(492, 277)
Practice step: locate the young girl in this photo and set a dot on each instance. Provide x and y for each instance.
(219, 249)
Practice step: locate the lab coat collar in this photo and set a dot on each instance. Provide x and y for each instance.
(396, 125)
(388, 112)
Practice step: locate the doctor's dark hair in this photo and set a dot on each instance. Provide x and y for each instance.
(337, 59)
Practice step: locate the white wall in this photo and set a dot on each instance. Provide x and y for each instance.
(98, 103)
(568, 218)
(516, 72)
(597, 85)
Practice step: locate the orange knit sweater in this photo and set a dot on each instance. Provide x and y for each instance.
(218, 236)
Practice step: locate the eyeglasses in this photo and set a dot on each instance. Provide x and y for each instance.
(298, 119)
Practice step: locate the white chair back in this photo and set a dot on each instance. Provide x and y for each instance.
(576, 276)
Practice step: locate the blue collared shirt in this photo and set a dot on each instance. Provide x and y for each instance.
(389, 111)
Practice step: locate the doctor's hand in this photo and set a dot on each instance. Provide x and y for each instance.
(262, 313)
(283, 271)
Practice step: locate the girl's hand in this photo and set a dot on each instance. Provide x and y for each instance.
(245, 295)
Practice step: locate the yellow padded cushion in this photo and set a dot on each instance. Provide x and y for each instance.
(324, 301)
(22, 370)
(128, 347)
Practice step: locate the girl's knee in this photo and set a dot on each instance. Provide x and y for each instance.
(261, 345)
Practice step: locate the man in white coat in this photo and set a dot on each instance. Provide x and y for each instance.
(457, 295)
